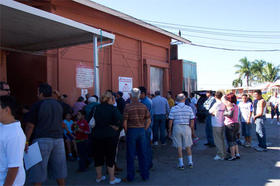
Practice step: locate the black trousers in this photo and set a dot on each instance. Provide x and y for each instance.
(83, 154)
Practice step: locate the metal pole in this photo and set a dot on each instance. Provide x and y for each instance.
(96, 67)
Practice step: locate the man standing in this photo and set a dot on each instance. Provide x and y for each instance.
(218, 125)
(44, 125)
(136, 121)
(182, 118)
(274, 104)
(160, 109)
(208, 127)
(120, 102)
(259, 118)
(148, 103)
(245, 116)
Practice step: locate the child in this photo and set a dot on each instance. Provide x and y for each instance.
(12, 143)
(81, 130)
(68, 135)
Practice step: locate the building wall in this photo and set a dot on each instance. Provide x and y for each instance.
(176, 76)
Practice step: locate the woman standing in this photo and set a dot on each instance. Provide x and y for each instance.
(232, 125)
(106, 136)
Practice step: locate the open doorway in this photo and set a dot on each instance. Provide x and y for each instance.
(24, 73)
(156, 80)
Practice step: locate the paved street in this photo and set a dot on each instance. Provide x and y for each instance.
(254, 168)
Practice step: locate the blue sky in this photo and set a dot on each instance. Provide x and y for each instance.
(215, 67)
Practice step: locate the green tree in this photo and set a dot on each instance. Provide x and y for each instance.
(244, 70)
(270, 72)
(257, 69)
(237, 83)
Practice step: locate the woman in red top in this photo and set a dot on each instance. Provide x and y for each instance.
(81, 130)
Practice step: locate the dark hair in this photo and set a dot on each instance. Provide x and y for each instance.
(186, 93)
(231, 97)
(65, 96)
(170, 93)
(95, 97)
(9, 101)
(157, 93)
(192, 94)
(64, 115)
(244, 95)
(82, 112)
(80, 99)
(219, 94)
(143, 90)
(259, 92)
(120, 93)
(45, 89)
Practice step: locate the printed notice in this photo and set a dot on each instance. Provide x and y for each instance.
(84, 77)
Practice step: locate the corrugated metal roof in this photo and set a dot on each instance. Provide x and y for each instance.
(129, 18)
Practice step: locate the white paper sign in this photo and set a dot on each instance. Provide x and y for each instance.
(84, 93)
(125, 86)
(84, 77)
(33, 156)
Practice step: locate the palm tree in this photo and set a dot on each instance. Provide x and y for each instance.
(237, 83)
(244, 70)
(257, 70)
(270, 72)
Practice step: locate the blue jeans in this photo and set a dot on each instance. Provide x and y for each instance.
(209, 130)
(159, 122)
(82, 147)
(260, 131)
(136, 143)
(149, 148)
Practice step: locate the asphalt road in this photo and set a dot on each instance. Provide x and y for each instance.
(254, 168)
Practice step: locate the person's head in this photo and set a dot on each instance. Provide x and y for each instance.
(208, 93)
(92, 100)
(152, 95)
(8, 108)
(257, 94)
(119, 94)
(218, 95)
(169, 94)
(95, 97)
(157, 93)
(44, 91)
(181, 98)
(192, 94)
(107, 98)
(88, 96)
(143, 91)
(244, 98)
(231, 98)
(68, 116)
(80, 99)
(81, 115)
(4, 88)
(135, 94)
(186, 93)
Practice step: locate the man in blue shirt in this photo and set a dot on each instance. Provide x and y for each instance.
(208, 127)
(148, 103)
(160, 109)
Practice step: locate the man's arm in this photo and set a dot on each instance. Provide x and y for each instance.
(28, 132)
(125, 125)
(170, 123)
(148, 123)
(11, 176)
(192, 123)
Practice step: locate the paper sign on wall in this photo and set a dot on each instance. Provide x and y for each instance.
(84, 93)
(125, 86)
(84, 77)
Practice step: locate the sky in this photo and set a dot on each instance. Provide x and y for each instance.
(215, 68)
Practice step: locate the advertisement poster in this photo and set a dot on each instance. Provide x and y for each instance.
(84, 77)
(125, 86)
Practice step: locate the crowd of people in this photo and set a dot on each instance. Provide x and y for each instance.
(91, 130)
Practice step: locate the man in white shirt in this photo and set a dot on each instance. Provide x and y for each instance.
(217, 120)
(274, 103)
(12, 143)
(245, 117)
(182, 118)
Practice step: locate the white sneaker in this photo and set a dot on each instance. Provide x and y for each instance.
(100, 179)
(156, 143)
(115, 181)
(218, 158)
(278, 123)
(259, 149)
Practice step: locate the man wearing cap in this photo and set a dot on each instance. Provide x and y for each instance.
(182, 119)
(136, 121)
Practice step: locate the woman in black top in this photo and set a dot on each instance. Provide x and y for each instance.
(106, 133)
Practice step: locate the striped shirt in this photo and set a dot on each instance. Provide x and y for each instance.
(136, 115)
(181, 114)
